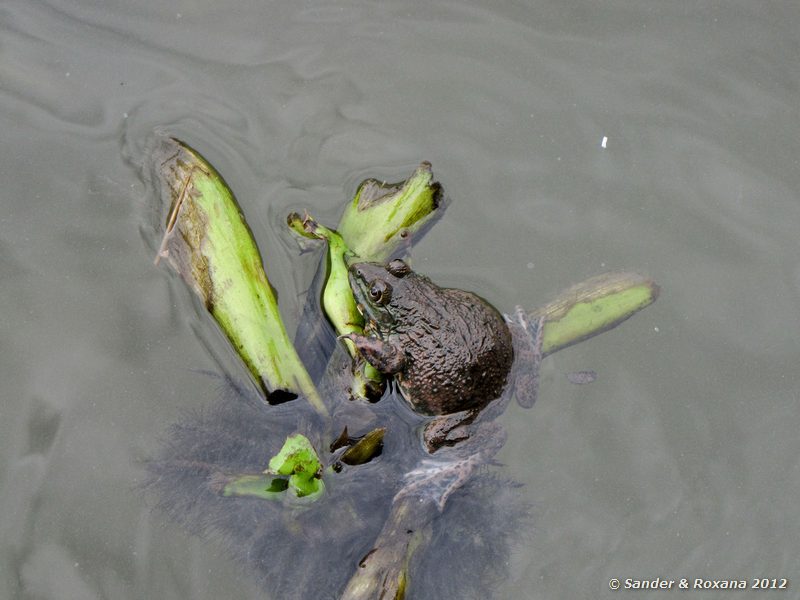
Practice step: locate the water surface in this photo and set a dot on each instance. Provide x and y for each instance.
(680, 461)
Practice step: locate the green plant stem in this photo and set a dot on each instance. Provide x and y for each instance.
(208, 242)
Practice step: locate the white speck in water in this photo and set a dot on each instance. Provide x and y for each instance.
(124, 115)
(178, 15)
(529, 265)
(656, 329)
(604, 142)
(66, 74)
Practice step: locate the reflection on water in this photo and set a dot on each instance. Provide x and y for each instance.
(311, 550)
(676, 462)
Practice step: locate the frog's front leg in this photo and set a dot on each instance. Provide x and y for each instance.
(448, 430)
(383, 355)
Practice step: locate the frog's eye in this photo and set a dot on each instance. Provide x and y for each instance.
(380, 292)
(398, 268)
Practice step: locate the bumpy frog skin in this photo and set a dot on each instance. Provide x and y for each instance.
(449, 350)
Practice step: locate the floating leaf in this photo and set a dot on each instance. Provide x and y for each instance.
(208, 242)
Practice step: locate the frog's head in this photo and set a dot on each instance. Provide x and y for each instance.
(379, 292)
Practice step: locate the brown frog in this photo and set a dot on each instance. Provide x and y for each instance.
(449, 350)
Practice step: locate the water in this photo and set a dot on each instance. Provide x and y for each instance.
(680, 461)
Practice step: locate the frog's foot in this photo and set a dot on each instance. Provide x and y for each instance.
(437, 477)
(527, 335)
(448, 430)
(384, 356)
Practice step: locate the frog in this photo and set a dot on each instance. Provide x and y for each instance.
(449, 350)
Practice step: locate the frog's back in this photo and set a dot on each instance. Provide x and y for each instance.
(463, 353)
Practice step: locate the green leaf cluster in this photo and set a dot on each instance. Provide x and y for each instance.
(298, 461)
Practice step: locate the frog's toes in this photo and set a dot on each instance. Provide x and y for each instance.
(527, 335)
(384, 356)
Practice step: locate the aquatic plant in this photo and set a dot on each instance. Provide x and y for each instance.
(244, 468)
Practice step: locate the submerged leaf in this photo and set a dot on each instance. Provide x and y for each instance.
(594, 306)
(258, 486)
(365, 449)
(582, 377)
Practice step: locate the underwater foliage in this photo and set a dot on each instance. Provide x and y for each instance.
(310, 550)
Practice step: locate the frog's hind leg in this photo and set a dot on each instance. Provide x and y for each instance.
(527, 335)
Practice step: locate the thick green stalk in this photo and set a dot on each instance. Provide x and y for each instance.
(208, 242)
(337, 298)
(340, 305)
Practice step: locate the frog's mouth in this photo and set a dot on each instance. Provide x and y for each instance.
(370, 324)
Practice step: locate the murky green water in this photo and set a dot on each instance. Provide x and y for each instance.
(680, 461)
